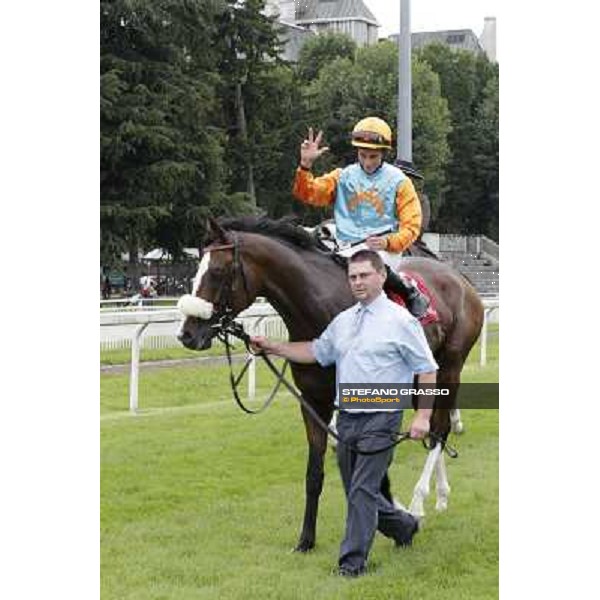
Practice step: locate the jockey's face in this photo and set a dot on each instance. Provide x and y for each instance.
(370, 160)
(366, 282)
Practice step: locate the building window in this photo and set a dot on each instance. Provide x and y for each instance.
(456, 38)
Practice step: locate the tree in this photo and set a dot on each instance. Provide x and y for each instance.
(464, 79)
(277, 127)
(321, 50)
(248, 46)
(486, 159)
(161, 160)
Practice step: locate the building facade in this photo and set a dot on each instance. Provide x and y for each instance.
(350, 17)
(301, 19)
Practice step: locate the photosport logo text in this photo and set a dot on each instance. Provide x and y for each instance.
(393, 396)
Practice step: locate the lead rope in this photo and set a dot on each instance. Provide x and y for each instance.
(227, 326)
(223, 335)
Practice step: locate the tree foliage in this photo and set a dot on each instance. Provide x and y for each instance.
(486, 160)
(248, 47)
(321, 50)
(161, 161)
(469, 82)
(277, 128)
(200, 117)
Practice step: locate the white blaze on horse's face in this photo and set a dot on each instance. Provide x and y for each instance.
(202, 269)
(190, 304)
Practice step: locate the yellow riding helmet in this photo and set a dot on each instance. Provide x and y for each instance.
(372, 132)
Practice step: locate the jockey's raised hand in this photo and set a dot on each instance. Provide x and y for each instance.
(309, 149)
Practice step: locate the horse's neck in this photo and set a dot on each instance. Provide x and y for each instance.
(307, 289)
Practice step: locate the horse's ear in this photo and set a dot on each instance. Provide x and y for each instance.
(215, 230)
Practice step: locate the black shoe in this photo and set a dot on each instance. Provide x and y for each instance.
(416, 302)
(407, 540)
(348, 572)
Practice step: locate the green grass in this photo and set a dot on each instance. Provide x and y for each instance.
(123, 356)
(200, 500)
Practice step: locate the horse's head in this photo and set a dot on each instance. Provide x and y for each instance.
(221, 288)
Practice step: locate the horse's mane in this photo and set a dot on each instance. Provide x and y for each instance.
(285, 229)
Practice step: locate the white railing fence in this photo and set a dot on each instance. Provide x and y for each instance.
(490, 311)
(125, 329)
(259, 319)
(136, 302)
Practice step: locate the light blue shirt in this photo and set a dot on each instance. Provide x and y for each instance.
(380, 342)
(365, 204)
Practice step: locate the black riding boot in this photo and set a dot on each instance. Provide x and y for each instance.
(416, 301)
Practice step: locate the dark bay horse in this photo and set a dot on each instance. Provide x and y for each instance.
(249, 257)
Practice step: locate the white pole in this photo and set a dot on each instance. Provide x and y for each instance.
(404, 133)
(135, 368)
(259, 329)
(252, 379)
(483, 349)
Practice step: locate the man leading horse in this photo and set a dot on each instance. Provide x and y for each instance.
(375, 203)
(374, 341)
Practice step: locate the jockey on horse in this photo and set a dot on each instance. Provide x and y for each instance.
(375, 203)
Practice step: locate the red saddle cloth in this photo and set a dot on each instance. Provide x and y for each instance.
(431, 315)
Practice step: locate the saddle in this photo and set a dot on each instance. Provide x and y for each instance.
(325, 237)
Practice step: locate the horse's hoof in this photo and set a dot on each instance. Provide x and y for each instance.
(304, 547)
(441, 505)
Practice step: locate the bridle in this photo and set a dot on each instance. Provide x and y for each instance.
(229, 283)
(225, 326)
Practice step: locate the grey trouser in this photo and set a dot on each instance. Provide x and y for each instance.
(368, 509)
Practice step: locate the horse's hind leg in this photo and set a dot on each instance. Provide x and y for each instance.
(442, 485)
(440, 424)
(421, 490)
(443, 421)
(317, 445)
(456, 424)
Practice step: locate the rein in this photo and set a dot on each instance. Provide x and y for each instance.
(225, 326)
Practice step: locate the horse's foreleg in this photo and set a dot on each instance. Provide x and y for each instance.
(421, 490)
(442, 485)
(317, 445)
